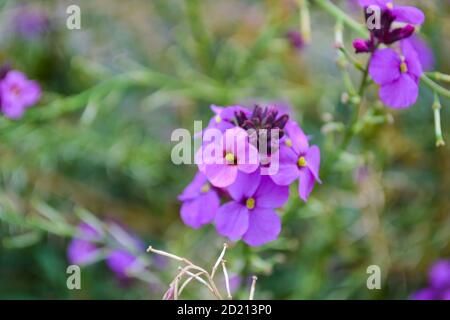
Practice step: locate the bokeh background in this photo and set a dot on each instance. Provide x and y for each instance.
(99, 142)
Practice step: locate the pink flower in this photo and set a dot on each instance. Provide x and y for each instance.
(17, 93)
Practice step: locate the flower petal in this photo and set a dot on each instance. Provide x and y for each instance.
(384, 66)
(408, 14)
(232, 220)
(287, 169)
(248, 158)
(270, 195)
(200, 211)
(313, 161)
(401, 93)
(297, 137)
(412, 59)
(244, 186)
(193, 189)
(264, 226)
(305, 184)
(221, 175)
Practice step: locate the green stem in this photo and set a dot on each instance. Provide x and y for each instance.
(437, 121)
(333, 10)
(438, 76)
(305, 20)
(435, 87)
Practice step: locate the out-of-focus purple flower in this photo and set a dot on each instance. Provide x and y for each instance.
(17, 93)
(439, 283)
(120, 262)
(30, 22)
(424, 294)
(223, 159)
(398, 76)
(251, 214)
(424, 52)
(298, 160)
(295, 39)
(382, 30)
(439, 275)
(82, 249)
(200, 202)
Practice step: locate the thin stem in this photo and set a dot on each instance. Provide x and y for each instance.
(305, 20)
(438, 76)
(437, 121)
(435, 87)
(339, 14)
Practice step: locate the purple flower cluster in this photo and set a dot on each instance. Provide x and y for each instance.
(17, 93)
(85, 249)
(396, 69)
(439, 283)
(249, 158)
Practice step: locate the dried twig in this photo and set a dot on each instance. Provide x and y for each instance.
(227, 280)
(175, 290)
(252, 288)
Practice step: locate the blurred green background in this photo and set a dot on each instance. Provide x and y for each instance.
(100, 141)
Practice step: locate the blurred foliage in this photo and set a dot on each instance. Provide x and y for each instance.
(100, 140)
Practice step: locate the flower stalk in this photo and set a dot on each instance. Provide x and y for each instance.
(437, 121)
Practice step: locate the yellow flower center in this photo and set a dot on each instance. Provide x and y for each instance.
(218, 119)
(288, 142)
(205, 188)
(301, 162)
(250, 203)
(229, 157)
(390, 5)
(403, 67)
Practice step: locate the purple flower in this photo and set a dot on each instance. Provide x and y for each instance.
(200, 202)
(252, 162)
(439, 283)
(424, 294)
(397, 75)
(298, 160)
(382, 30)
(120, 261)
(225, 157)
(82, 249)
(439, 275)
(251, 213)
(17, 93)
(85, 249)
(30, 22)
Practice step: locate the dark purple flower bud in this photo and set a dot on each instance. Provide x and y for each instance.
(361, 46)
(295, 39)
(399, 34)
